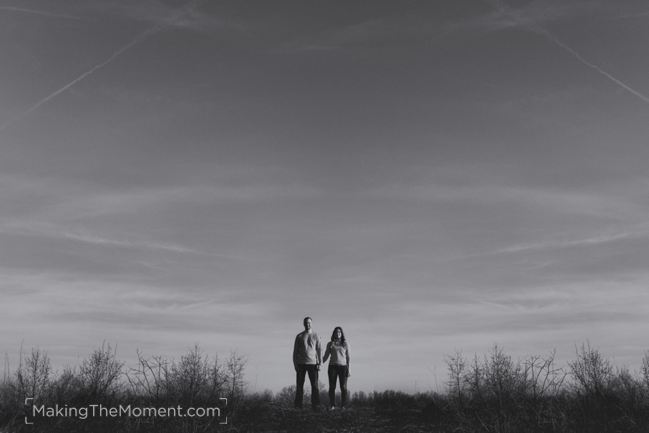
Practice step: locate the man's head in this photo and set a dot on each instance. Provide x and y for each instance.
(307, 323)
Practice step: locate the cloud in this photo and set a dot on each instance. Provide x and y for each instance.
(69, 313)
(39, 12)
(47, 201)
(85, 236)
(371, 33)
(575, 307)
(141, 199)
(547, 200)
(500, 16)
(196, 15)
(121, 304)
(497, 15)
(631, 16)
(640, 232)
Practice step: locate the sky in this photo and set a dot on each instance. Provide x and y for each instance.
(432, 176)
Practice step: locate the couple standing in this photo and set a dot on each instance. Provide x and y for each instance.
(307, 359)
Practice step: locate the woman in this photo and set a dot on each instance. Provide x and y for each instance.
(338, 349)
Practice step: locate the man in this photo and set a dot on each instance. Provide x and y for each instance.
(306, 359)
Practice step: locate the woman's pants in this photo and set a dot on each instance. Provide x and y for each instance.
(337, 372)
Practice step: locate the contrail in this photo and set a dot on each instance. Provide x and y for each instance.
(591, 65)
(81, 77)
(38, 12)
(502, 8)
(135, 41)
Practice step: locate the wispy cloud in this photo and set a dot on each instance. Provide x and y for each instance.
(132, 201)
(76, 217)
(39, 12)
(88, 237)
(127, 312)
(641, 233)
(51, 200)
(548, 200)
(92, 239)
(499, 17)
(373, 32)
(631, 16)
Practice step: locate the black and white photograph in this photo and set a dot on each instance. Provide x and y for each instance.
(265, 216)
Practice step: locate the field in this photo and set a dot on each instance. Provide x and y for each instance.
(490, 394)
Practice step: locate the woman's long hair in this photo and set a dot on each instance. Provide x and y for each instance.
(342, 334)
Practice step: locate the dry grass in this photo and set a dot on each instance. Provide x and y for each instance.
(490, 394)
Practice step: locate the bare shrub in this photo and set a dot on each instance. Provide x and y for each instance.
(100, 372)
(359, 398)
(189, 376)
(31, 380)
(645, 369)
(541, 376)
(628, 391)
(596, 403)
(234, 372)
(502, 380)
(456, 377)
(66, 387)
(33, 375)
(502, 376)
(542, 388)
(286, 396)
(149, 379)
(592, 373)
(499, 394)
(194, 378)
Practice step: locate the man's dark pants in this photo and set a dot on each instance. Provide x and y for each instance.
(302, 370)
(339, 372)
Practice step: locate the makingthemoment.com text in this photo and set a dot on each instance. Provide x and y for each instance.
(101, 411)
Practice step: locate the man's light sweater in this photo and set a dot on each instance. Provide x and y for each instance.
(307, 349)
